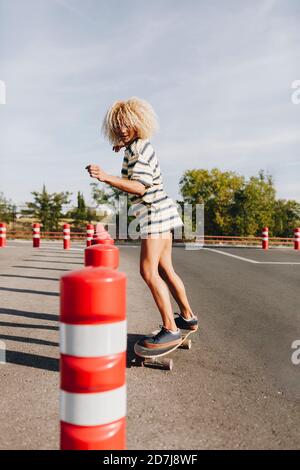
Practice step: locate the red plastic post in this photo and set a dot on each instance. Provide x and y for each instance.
(2, 235)
(297, 238)
(36, 235)
(93, 359)
(89, 234)
(67, 236)
(102, 255)
(265, 238)
(103, 241)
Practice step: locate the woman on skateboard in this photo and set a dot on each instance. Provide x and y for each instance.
(130, 124)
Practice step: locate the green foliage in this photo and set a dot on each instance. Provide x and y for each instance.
(286, 217)
(81, 214)
(47, 208)
(216, 191)
(254, 206)
(234, 206)
(8, 210)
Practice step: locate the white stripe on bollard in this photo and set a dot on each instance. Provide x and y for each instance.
(93, 409)
(93, 340)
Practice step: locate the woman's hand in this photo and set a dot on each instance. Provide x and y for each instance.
(96, 172)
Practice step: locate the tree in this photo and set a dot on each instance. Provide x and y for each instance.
(214, 189)
(286, 217)
(47, 208)
(8, 210)
(253, 206)
(81, 214)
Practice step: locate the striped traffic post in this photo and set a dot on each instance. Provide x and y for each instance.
(297, 238)
(2, 235)
(101, 235)
(36, 235)
(265, 238)
(89, 234)
(102, 255)
(93, 359)
(103, 241)
(67, 236)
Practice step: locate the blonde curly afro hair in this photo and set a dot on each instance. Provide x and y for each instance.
(134, 113)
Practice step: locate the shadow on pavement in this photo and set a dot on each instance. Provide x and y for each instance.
(44, 269)
(50, 261)
(21, 339)
(131, 357)
(27, 325)
(31, 277)
(29, 291)
(34, 315)
(58, 256)
(32, 360)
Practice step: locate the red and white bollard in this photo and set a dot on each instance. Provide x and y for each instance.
(101, 236)
(297, 238)
(2, 235)
(89, 234)
(265, 238)
(93, 340)
(67, 236)
(102, 255)
(36, 235)
(103, 241)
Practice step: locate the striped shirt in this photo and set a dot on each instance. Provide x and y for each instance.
(155, 210)
(140, 164)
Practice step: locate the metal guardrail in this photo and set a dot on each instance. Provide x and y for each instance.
(207, 239)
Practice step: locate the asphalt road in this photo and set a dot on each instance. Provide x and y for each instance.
(236, 388)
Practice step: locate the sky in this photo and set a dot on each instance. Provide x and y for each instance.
(219, 75)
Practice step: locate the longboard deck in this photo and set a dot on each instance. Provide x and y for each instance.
(148, 353)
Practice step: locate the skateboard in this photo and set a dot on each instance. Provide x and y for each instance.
(155, 357)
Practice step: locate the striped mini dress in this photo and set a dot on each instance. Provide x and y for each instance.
(155, 211)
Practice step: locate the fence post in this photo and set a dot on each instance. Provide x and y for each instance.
(67, 236)
(93, 359)
(297, 238)
(89, 234)
(36, 235)
(2, 235)
(265, 238)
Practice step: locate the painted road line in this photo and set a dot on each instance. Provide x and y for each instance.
(251, 260)
(278, 262)
(232, 256)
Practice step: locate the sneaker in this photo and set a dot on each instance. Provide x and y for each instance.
(163, 339)
(184, 324)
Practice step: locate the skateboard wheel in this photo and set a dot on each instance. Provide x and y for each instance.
(187, 344)
(167, 364)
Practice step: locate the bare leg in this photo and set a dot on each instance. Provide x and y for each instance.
(151, 250)
(173, 281)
